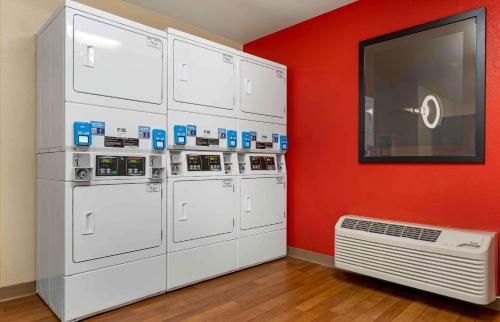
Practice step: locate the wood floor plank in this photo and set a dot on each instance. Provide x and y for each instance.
(284, 290)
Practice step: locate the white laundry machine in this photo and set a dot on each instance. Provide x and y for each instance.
(262, 213)
(201, 204)
(261, 90)
(201, 75)
(101, 215)
(89, 56)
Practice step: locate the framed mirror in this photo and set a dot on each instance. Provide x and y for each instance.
(422, 92)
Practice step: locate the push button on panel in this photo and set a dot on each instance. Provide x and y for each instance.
(180, 133)
(232, 139)
(159, 138)
(82, 133)
(246, 138)
(284, 142)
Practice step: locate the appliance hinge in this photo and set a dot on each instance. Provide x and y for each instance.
(284, 213)
(233, 222)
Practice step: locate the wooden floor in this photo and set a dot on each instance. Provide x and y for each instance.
(284, 290)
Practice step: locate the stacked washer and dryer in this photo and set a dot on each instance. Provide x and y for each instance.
(132, 203)
(101, 162)
(226, 207)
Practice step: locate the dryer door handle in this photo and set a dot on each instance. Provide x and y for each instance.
(184, 72)
(183, 210)
(248, 204)
(89, 223)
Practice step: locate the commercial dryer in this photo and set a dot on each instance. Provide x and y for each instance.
(89, 56)
(101, 215)
(261, 90)
(201, 75)
(202, 205)
(262, 215)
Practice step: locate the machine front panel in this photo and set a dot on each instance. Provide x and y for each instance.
(262, 201)
(262, 89)
(115, 219)
(200, 72)
(116, 62)
(203, 208)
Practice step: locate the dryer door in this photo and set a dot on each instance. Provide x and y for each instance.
(116, 62)
(262, 202)
(262, 90)
(203, 76)
(203, 208)
(115, 219)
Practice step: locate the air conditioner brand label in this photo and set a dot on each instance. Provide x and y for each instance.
(227, 58)
(155, 43)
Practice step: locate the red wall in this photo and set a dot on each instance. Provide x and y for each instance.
(326, 180)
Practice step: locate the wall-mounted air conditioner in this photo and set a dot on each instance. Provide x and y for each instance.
(451, 262)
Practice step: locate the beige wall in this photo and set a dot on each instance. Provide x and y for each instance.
(19, 22)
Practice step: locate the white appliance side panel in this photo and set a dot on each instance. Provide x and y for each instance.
(263, 202)
(50, 84)
(103, 289)
(115, 219)
(203, 76)
(198, 264)
(262, 92)
(261, 248)
(50, 243)
(116, 62)
(203, 208)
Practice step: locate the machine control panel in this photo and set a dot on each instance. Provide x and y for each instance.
(262, 163)
(82, 133)
(120, 166)
(159, 139)
(202, 162)
(232, 139)
(180, 133)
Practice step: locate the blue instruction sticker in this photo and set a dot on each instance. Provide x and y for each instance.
(98, 128)
(275, 137)
(191, 130)
(253, 134)
(144, 132)
(222, 133)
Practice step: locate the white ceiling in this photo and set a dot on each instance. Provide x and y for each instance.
(241, 20)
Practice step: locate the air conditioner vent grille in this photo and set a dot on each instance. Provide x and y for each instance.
(349, 223)
(403, 231)
(378, 228)
(363, 225)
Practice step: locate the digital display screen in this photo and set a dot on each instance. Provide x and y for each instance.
(202, 162)
(119, 166)
(262, 163)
